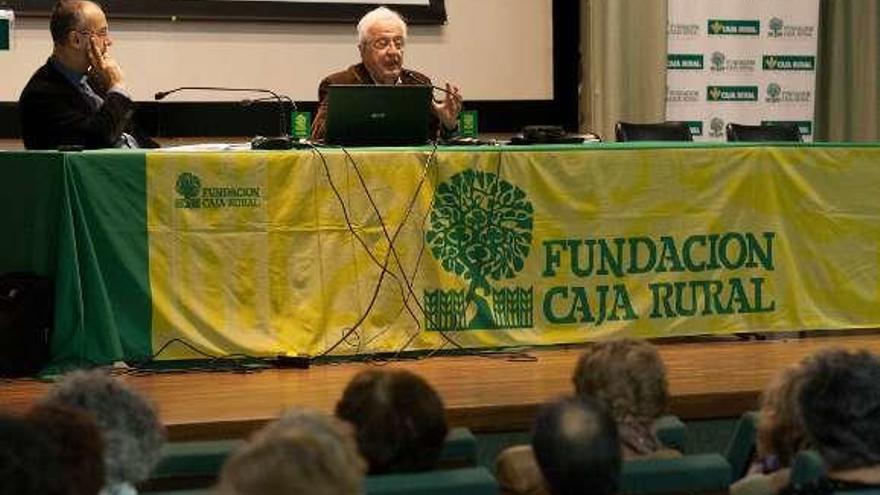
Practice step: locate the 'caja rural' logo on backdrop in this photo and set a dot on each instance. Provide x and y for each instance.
(776, 94)
(779, 29)
(721, 63)
(731, 93)
(481, 230)
(789, 62)
(195, 196)
(738, 27)
(684, 61)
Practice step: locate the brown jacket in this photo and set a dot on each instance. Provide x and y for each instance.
(358, 74)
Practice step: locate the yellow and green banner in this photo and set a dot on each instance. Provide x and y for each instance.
(380, 250)
(389, 250)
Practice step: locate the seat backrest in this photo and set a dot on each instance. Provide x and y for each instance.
(197, 463)
(763, 133)
(741, 446)
(657, 131)
(806, 467)
(703, 473)
(470, 481)
(670, 431)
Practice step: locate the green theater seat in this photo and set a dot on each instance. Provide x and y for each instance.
(741, 446)
(193, 464)
(806, 467)
(464, 481)
(670, 431)
(704, 473)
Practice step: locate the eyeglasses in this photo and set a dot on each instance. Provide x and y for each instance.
(383, 43)
(101, 33)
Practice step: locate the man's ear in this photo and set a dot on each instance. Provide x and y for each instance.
(73, 39)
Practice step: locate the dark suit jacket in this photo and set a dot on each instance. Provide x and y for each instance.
(55, 113)
(358, 74)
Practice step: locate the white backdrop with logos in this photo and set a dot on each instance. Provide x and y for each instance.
(741, 61)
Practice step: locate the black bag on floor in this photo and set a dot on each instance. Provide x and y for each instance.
(26, 310)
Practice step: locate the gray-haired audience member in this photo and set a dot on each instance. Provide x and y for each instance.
(840, 403)
(28, 465)
(303, 452)
(129, 424)
(576, 445)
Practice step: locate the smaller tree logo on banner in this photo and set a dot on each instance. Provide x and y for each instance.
(718, 60)
(776, 26)
(774, 92)
(481, 230)
(716, 127)
(716, 27)
(189, 186)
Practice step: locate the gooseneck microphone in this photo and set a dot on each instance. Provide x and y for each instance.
(283, 141)
(424, 81)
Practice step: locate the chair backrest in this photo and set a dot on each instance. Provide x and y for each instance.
(657, 131)
(763, 133)
(464, 481)
(703, 473)
(197, 463)
(806, 468)
(670, 431)
(741, 446)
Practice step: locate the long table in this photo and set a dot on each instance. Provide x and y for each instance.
(365, 251)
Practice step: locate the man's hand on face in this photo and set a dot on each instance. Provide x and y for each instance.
(448, 109)
(104, 67)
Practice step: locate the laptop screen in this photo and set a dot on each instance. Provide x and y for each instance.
(378, 115)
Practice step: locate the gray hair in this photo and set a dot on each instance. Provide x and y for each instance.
(378, 15)
(130, 427)
(303, 452)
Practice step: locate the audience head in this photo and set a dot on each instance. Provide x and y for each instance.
(28, 465)
(398, 417)
(628, 376)
(577, 448)
(840, 400)
(381, 41)
(129, 424)
(302, 452)
(77, 446)
(781, 433)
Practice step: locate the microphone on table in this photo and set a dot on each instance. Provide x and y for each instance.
(282, 142)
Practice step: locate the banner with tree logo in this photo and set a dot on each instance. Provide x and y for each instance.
(743, 62)
(388, 251)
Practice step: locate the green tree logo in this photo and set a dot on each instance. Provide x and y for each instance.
(481, 230)
(188, 185)
(774, 91)
(776, 25)
(716, 126)
(718, 60)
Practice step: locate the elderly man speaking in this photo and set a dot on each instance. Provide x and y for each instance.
(381, 41)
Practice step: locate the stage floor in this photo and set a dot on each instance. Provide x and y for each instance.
(485, 393)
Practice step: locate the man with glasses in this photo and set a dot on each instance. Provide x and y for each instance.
(381, 42)
(78, 99)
